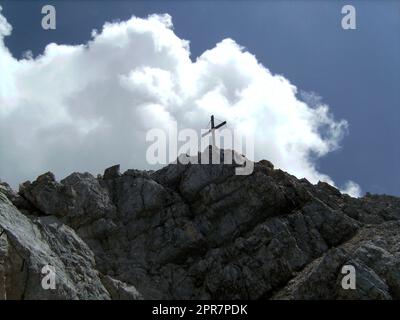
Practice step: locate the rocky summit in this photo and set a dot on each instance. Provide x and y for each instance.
(195, 232)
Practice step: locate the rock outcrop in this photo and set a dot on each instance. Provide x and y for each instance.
(196, 232)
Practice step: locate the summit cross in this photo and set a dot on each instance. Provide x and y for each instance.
(212, 130)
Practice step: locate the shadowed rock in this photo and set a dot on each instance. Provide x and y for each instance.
(191, 231)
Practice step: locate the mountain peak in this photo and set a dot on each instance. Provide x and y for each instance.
(200, 231)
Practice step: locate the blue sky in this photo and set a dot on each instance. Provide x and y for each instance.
(356, 72)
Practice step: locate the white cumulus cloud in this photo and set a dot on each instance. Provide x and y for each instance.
(85, 107)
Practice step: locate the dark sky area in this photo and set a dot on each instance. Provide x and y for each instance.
(356, 72)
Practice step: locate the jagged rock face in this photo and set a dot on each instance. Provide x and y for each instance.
(197, 232)
(27, 244)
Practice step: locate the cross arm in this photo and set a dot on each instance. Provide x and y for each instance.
(220, 125)
(206, 133)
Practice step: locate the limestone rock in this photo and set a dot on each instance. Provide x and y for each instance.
(119, 290)
(26, 246)
(197, 231)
